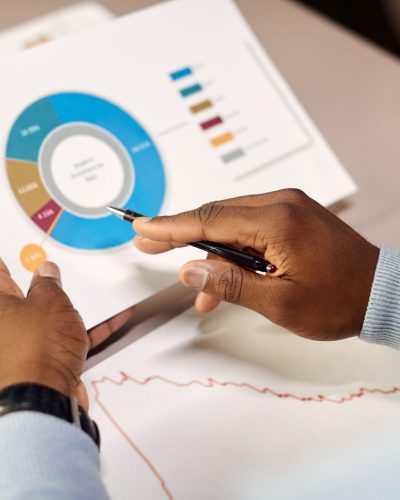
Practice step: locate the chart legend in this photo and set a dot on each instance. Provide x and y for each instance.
(198, 109)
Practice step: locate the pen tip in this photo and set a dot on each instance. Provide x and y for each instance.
(116, 211)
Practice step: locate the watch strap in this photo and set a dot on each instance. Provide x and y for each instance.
(43, 399)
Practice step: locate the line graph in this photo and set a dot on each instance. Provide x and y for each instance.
(211, 383)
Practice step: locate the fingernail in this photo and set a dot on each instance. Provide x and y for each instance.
(49, 270)
(195, 277)
(142, 238)
(142, 220)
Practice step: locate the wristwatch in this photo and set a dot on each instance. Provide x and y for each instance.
(39, 398)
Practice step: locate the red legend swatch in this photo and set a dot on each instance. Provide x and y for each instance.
(211, 123)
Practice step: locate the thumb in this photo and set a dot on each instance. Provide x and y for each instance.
(46, 280)
(226, 281)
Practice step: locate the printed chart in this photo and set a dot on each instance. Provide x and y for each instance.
(231, 406)
(70, 155)
(208, 117)
(52, 26)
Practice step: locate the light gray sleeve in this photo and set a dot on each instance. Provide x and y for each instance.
(382, 319)
(46, 458)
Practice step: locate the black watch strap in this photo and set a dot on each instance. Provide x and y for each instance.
(36, 397)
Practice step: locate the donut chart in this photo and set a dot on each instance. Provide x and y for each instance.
(69, 155)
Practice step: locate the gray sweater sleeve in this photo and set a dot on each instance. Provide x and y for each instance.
(43, 457)
(382, 319)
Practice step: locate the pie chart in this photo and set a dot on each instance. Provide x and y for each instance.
(69, 156)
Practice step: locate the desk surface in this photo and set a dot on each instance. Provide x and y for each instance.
(349, 87)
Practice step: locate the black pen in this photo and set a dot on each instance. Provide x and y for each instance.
(240, 258)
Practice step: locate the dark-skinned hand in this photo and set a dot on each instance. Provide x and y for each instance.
(324, 268)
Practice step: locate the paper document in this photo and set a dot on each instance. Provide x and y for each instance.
(230, 406)
(52, 26)
(159, 112)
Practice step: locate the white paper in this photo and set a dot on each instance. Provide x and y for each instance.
(52, 26)
(230, 406)
(126, 132)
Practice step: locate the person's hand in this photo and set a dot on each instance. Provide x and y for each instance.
(42, 337)
(324, 269)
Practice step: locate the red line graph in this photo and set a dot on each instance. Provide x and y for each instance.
(209, 384)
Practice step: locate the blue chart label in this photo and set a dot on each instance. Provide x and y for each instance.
(69, 156)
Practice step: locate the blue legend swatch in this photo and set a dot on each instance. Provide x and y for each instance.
(181, 73)
(191, 90)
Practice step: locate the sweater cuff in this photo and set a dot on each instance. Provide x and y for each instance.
(382, 319)
(45, 457)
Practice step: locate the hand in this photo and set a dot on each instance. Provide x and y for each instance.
(42, 337)
(324, 269)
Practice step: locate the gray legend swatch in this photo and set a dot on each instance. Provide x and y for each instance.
(233, 155)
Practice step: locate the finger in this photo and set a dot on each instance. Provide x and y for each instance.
(46, 281)
(154, 247)
(7, 284)
(228, 282)
(205, 303)
(48, 270)
(234, 220)
(225, 224)
(257, 200)
(4, 271)
(100, 333)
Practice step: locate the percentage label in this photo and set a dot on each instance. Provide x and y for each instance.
(31, 256)
(46, 213)
(141, 147)
(33, 129)
(27, 187)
